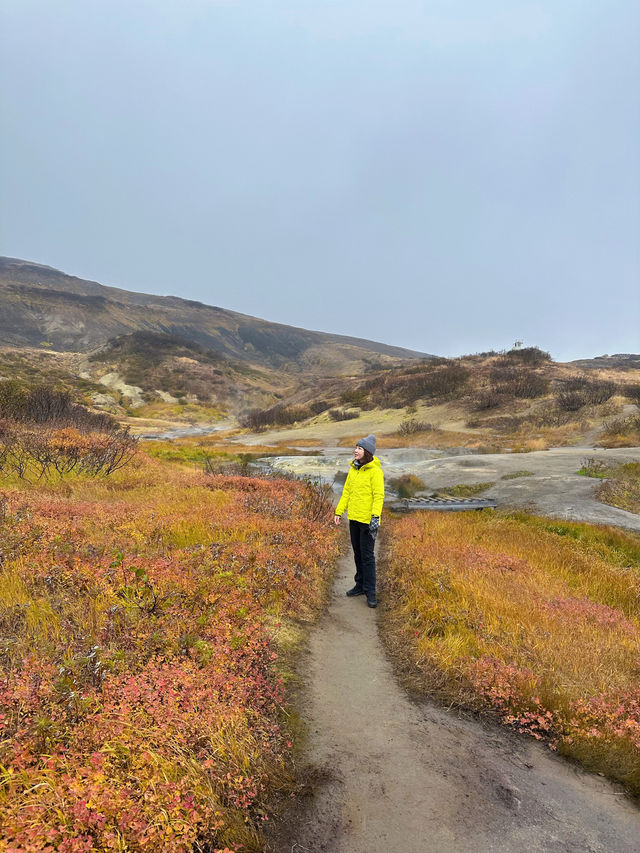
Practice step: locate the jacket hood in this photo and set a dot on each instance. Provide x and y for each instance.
(375, 462)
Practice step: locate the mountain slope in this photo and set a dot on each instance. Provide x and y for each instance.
(42, 305)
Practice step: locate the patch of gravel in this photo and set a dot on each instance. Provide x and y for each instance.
(554, 487)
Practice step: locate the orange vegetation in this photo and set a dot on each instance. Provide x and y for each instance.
(535, 619)
(140, 700)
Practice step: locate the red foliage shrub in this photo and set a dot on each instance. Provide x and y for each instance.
(140, 701)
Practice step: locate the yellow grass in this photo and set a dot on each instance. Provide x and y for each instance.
(538, 620)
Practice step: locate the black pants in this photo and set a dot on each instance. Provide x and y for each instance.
(362, 542)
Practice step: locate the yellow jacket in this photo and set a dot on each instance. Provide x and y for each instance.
(363, 492)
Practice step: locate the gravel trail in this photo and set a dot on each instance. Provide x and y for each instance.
(406, 777)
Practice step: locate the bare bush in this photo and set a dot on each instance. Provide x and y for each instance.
(550, 415)
(413, 426)
(529, 385)
(505, 423)
(487, 398)
(572, 401)
(582, 391)
(278, 415)
(343, 414)
(528, 355)
(214, 465)
(575, 383)
(42, 404)
(424, 381)
(503, 371)
(316, 501)
(599, 391)
(622, 426)
(354, 397)
(632, 392)
(511, 380)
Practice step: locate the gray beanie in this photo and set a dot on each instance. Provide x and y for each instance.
(368, 443)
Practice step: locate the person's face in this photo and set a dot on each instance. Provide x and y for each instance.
(358, 452)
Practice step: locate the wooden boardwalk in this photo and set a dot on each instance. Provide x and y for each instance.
(441, 504)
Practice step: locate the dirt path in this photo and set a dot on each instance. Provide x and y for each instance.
(402, 777)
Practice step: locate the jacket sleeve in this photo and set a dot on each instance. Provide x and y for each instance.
(377, 487)
(344, 498)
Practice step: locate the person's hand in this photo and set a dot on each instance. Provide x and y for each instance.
(374, 524)
(337, 519)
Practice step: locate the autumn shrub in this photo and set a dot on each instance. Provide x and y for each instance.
(34, 451)
(43, 432)
(407, 485)
(140, 699)
(533, 619)
(622, 482)
(621, 432)
(412, 426)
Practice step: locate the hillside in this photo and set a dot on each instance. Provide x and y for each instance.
(515, 400)
(162, 357)
(45, 307)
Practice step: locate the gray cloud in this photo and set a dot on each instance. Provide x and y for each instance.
(447, 176)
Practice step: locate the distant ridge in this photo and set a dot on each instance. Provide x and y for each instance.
(44, 306)
(619, 360)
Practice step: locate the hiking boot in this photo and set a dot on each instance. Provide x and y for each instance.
(356, 590)
(372, 601)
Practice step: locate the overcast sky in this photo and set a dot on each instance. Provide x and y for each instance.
(446, 175)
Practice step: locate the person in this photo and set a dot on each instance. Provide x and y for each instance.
(362, 498)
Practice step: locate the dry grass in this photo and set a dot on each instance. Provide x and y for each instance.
(194, 451)
(464, 490)
(300, 442)
(436, 438)
(179, 413)
(449, 430)
(534, 619)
